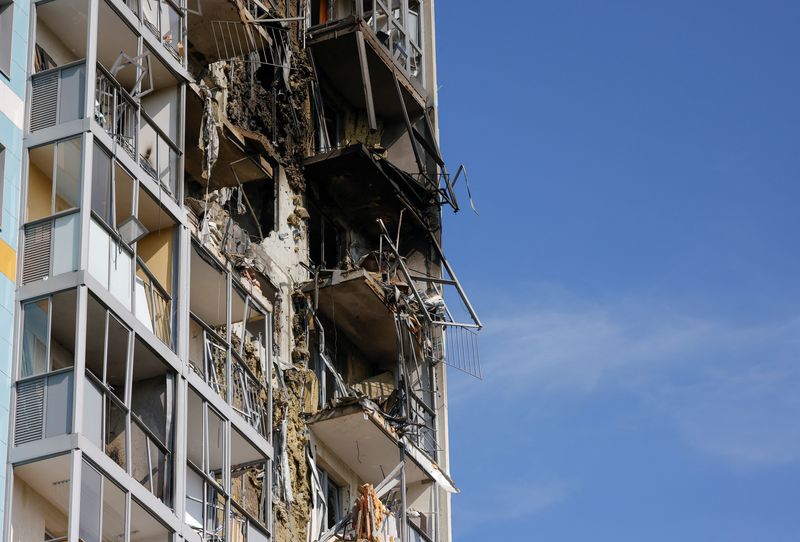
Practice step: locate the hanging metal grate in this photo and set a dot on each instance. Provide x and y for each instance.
(258, 44)
(461, 350)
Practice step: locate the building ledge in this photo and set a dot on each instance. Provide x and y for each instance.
(358, 434)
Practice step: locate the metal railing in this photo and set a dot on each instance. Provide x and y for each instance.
(249, 397)
(212, 368)
(115, 111)
(159, 303)
(422, 426)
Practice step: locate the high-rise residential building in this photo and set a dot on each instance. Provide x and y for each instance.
(232, 313)
(13, 61)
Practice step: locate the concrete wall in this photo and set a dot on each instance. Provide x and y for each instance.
(32, 513)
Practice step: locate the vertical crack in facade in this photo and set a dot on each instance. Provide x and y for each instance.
(231, 321)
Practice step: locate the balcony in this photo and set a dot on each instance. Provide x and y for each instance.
(352, 420)
(392, 29)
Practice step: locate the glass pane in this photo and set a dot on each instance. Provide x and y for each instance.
(237, 318)
(208, 292)
(194, 429)
(140, 463)
(90, 505)
(247, 476)
(93, 413)
(145, 527)
(34, 338)
(62, 330)
(99, 243)
(194, 500)
(59, 404)
(121, 274)
(73, 89)
(162, 486)
(113, 512)
(215, 443)
(101, 185)
(123, 196)
(68, 174)
(65, 245)
(151, 392)
(116, 447)
(117, 365)
(96, 340)
(40, 182)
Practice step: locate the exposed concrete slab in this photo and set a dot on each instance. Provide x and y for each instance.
(360, 436)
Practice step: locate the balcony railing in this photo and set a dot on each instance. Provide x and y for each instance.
(159, 303)
(422, 428)
(57, 95)
(132, 128)
(250, 397)
(115, 111)
(399, 30)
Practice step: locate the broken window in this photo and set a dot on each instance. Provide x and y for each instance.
(248, 479)
(205, 485)
(152, 405)
(107, 361)
(335, 498)
(129, 401)
(230, 356)
(324, 243)
(164, 19)
(161, 118)
(156, 268)
(213, 481)
(42, 490)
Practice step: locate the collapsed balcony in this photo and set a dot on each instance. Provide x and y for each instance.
(393, 36)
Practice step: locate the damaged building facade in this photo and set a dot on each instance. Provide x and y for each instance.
(233, 312)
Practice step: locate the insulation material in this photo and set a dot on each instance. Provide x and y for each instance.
(378, 388)
(372, 520)
(209, 132)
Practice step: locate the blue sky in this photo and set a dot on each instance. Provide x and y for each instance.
(636, 262)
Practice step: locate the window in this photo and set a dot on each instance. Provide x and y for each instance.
(215, 479)
(48, 334)
(45, 383)
(6, 35)
(129, 402)
(334, 497)
(2, 181)
(231, 356)
(54, 179)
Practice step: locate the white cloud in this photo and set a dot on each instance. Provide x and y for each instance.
(511, 500)
(728, 389)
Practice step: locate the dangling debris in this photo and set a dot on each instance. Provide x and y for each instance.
(209, 135)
